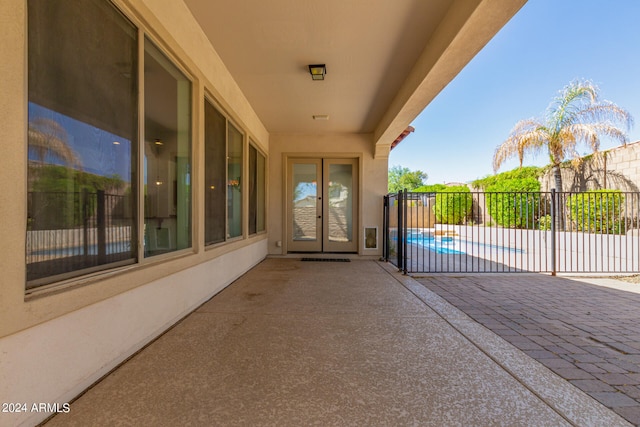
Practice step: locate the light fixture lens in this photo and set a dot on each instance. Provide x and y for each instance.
(317, 71)
(158, 142)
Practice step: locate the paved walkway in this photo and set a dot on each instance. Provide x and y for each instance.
(588, 334)
(345, 344)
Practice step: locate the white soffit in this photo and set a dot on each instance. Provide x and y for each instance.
(375, 51)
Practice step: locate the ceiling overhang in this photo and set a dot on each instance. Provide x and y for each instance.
(385, 60)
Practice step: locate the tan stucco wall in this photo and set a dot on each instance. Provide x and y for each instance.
(373, 179)
(58, 341)
(617, 169)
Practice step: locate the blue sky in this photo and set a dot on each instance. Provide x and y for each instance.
(95, 147)
(545, 46)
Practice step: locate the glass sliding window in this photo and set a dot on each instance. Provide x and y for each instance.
(167, 155)
(82, 144)
(257, 190)
(215, 174)
(234, 182)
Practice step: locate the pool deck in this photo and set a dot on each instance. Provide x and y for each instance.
(472, 249)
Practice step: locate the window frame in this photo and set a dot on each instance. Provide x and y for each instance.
(50, 284)
(198, 94)
(169, 56)
(209, 99)
(55, 280)
(244, 165)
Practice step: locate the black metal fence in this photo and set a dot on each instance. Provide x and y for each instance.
(75, 231)
(494, 232)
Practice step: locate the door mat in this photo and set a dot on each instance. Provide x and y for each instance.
(326, 259)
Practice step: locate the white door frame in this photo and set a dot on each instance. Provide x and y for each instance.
(321, 243)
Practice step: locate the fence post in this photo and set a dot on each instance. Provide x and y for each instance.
(554, 213)
(385, 229)
(101, 225)
(399, 245)
(404, 233)
(85, 221)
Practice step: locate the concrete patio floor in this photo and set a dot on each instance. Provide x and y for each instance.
(329, 343)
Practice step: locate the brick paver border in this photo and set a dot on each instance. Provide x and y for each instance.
(587, 334)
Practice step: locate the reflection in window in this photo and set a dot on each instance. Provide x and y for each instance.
(305, 201)
(257, 190)
(167, 154)
(340, 214)
(234, 182)
(215, 174)
(81, 139)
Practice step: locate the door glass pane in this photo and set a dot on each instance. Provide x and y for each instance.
(305, 197)
(340, 203)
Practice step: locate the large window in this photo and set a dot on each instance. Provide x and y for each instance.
(167, 155)
(215, 174)
(257, 191)
(82, 144)
(97, 196)
(84, 183)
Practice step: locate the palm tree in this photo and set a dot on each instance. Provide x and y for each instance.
(575, 117)
(47, 138)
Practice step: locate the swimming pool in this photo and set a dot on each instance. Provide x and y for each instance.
(452, 245)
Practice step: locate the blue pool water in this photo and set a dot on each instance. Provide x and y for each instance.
(112, 248)
(451, 245)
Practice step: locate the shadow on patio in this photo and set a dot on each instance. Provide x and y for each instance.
(301, 343)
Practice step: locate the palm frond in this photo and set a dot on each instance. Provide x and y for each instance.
(527, 136)
(606, 111)
(591, 133)
(48, 138)
(573, 98)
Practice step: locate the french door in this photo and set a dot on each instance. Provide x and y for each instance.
(322, 203)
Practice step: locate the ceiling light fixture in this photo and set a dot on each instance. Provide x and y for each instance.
(317, 71)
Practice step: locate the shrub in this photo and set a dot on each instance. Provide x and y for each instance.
(453, 205)
(433, 188)
(597, 211)
(515, 174)
(514, 203)
(544, 222)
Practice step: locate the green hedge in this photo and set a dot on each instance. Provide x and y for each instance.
(515, 174)
(453, 205)
(514, 203)
(597, 211)
(433, 188)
